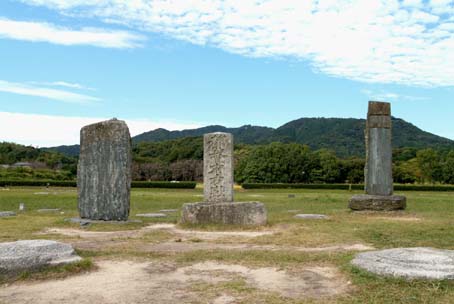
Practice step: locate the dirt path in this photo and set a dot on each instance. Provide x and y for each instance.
(176, 247)
(136, 282)
(184, 240)
(204, 235)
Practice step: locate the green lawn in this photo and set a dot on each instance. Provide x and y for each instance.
(428, 221)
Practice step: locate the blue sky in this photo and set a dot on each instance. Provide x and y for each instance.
(184, 64)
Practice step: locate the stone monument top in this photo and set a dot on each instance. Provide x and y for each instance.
(379, 108)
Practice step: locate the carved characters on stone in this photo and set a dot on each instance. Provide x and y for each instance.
(218, 167)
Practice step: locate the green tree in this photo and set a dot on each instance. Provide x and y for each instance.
(429, 165)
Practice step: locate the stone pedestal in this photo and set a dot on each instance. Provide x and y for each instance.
(377, 202)
(218, 206)
(104, 171)
(378, 170)
(240, 213)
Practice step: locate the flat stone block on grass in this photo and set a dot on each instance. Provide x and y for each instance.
(239, 213)
(151, 215)
(7, 213)
(48, 210)
(409, 263)
(30, 255)
(377, 202)
(168, 210)
(311, 216)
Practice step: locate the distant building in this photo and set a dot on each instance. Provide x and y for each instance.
(22, 165)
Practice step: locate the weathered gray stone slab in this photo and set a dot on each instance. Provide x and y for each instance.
(377, 202)
(7, 213)
(48, 210)
(378, 169)
(21, 207)
(311, 216)
(218, 167)
(409, 263)
(29, 255)
(151, 215)
(238, 213)
(104, 171)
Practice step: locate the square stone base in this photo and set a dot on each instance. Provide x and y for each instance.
(238, 213)
(377, 202)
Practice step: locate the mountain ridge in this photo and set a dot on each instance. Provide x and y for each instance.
(345, 136)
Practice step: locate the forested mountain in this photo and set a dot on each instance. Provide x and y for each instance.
(72, 150)
(246, 134)
(344, 136)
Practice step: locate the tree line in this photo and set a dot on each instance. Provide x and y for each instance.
(182, 160)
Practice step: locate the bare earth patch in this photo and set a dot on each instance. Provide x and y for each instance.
(205, 235)
(176, 247)
(187, 240)
(137, 282)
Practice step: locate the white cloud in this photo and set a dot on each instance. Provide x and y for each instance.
(45, 32)
(385, 41)
(390, 96)
(48, 130)
(39, 91)
(64, 84)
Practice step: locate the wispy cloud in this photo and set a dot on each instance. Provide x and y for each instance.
(407, 42)
(51, 130)
(46, 32)
(44, 92)
(390, 96)
(64, 84)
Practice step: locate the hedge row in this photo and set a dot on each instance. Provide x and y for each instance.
(134, 184)
(173, 185)
(300, 186)
(343, 187)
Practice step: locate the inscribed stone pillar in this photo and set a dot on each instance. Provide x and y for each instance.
(378, 171)
(218, 206)
(104, 171)
(218, 167)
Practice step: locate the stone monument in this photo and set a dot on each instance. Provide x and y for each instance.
(218, 206)
(378, 170)
(104, 171)
(218, 167)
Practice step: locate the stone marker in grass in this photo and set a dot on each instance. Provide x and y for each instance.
(409, 263)
(218, 206)
(30, 255)
(48, 210)
(104, 171)
(7, 213)
(378, 170)
(311, 216)
(151, 215)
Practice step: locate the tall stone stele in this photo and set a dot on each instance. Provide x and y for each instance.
(218, 206)
(104, 171)
(218, 167)
(378, 169)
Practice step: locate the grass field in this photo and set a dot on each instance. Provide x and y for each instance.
(428, 221)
